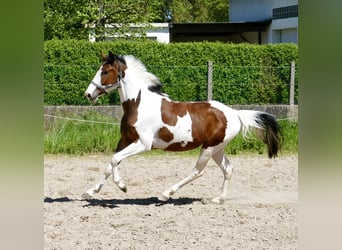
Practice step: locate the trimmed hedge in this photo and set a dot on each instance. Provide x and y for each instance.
(242, 73)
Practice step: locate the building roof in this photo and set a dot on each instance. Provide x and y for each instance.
(181, 32)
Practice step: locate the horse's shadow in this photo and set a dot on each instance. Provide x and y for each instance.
(113, 203)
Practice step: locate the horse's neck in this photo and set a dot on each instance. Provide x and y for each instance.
(132, 84)
(134, 87)
(132, 98)
(128, 91)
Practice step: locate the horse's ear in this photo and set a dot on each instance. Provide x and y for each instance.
(111, 57)
(103, 56)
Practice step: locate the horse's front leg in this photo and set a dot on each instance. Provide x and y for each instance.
(89, 194)
(132, 149)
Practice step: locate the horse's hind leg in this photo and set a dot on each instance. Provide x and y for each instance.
(196, 172)
(89, 194)
(222, 161)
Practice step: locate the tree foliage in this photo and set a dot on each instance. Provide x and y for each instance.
(75, 19)
(194, 11)
(66, 19)
(128, 18)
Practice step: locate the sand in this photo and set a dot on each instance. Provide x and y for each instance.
(261, 212)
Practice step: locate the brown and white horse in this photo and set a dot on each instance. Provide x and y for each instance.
(152, 121)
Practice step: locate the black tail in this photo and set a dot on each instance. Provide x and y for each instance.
(266, 126)
(270, 133)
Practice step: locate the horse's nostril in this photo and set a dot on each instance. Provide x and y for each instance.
(89, 96)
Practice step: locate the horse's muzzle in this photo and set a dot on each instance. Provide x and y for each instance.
(90, 97)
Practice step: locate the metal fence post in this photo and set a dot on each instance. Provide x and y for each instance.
(292, 82)
(210, 81)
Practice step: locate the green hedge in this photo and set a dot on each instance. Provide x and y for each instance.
(242, 73)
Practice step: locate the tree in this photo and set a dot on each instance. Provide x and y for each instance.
(75, 19)
(218, 10)
(194, 11)
(66, 19)
(128, 18)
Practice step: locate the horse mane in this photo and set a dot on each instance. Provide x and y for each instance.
(150, 80)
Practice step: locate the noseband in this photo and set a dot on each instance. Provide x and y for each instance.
(108, 87)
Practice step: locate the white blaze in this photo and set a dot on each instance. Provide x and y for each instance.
(92, 91)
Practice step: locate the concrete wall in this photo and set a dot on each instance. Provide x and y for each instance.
(280, 111)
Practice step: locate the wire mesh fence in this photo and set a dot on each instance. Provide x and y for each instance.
(65, 84)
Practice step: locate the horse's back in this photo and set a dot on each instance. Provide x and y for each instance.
(187, 125)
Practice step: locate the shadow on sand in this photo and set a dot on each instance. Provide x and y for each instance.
(113, 203)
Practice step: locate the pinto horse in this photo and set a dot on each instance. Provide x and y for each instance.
(151, 120)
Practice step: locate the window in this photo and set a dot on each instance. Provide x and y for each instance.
(285, 12)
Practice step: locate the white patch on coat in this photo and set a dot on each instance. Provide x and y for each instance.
(182, 133)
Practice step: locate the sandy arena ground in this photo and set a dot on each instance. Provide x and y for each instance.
(261, 212)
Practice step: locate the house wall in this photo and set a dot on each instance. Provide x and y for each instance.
(160, 32)
(279, 31)
(283, 31)
(250, 10)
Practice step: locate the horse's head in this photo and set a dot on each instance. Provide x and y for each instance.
(107, 78)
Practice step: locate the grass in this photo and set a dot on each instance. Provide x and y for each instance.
(77, 137)
(289, 130)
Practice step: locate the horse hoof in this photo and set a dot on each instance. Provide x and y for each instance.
(163, 197)
(206, 201)
(216, 200)
(124, 189)
(87, 196)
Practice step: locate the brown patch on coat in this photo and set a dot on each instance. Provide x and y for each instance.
(208, 123)
(170, 111)
(128, 132)
(165, 134)
(179, 146)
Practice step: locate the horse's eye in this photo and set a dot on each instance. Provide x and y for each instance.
(104, 73)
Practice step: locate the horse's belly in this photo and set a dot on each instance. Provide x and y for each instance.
(174, 139)
(175, 146)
